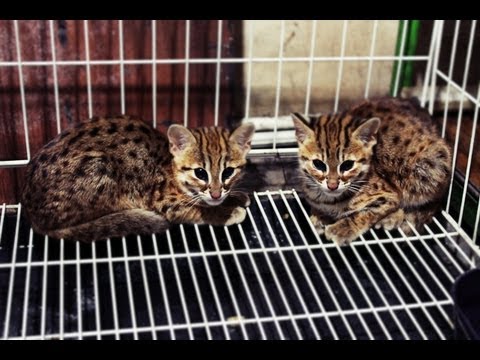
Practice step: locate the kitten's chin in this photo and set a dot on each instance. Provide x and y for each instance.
(334, 193)
(214, 202)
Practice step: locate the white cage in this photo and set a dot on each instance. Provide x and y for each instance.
(271, 277)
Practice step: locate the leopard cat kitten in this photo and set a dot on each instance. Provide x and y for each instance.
(379, 163)
(111, 177)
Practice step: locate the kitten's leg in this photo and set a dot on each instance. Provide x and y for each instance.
(418, 219)
(228, 213)
(122, 223)
(364, 211)
(392, 221)
(319, 220)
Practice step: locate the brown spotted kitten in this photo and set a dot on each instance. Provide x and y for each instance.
(379, 163)
(111, 177)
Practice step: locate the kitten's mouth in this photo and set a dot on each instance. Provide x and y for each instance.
(214, 202)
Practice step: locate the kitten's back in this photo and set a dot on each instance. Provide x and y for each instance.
(409, 151)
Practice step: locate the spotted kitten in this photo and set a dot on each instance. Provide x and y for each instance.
(379, 163)
(111, 177)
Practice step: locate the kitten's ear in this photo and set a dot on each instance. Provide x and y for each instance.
(242, 136)
(180, 138)
(302, 130)
(367, 131)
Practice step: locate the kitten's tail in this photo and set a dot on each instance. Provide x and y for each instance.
(134, 221)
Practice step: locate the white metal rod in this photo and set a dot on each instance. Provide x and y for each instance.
(12, 277)
(310, 67)
(394, 288)
(166, 303)
(262, 286)
(2, 219)
(229, 285)
(22, 87)
(87, 64)
(370, 62)
(400, 60)
(453, 52)
(429, 270)
(180, 288)
(428, 68)
(460, 110)
(287, 248)
(304, 271)
(218, 71)
(95, 291)
(446, 253)
(122, 67)
(55, 76)
(340, 65)
(434, 257)
(147, 288)
(79, 289)
(61, 285)
(438, 48)
(130, 292)
(320, 271)
(193, 275)
(154, 73)
(249, 70)
(470, 156)
(379, 293)
(334, 268)
(212, 283)
(44, 291)
(284, 262)
(13, 163)
(273, 272)
(454, 243)
(279, 81)
(187, 72)
(244, 281)
(205, 61)
(425, 287)
(464, 93)
(112, 290)
(26, 290)
(247, 321)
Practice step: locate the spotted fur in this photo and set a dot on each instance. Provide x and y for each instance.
(380, 163)
(110, 177)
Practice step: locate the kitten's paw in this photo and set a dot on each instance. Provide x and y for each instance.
(343, 232)
(392, 221)
(318, 224)
(237, 216)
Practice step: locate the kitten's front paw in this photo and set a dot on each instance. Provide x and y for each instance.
(237, 216)
(318, 224)
(343, 232)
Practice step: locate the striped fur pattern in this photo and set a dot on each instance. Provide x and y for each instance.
(381, 163)
(110, 177)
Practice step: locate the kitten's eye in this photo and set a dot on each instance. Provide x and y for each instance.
(346, 165)
(201, 174)
(227, 172)
(320, 165)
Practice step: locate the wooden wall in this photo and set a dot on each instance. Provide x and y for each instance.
(103, 39)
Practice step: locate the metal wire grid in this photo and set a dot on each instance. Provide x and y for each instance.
(271, 277)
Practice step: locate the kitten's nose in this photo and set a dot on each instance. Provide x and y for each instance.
(332, 186)
(215, 194)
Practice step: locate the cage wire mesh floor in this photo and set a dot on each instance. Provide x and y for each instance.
(272, 277)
